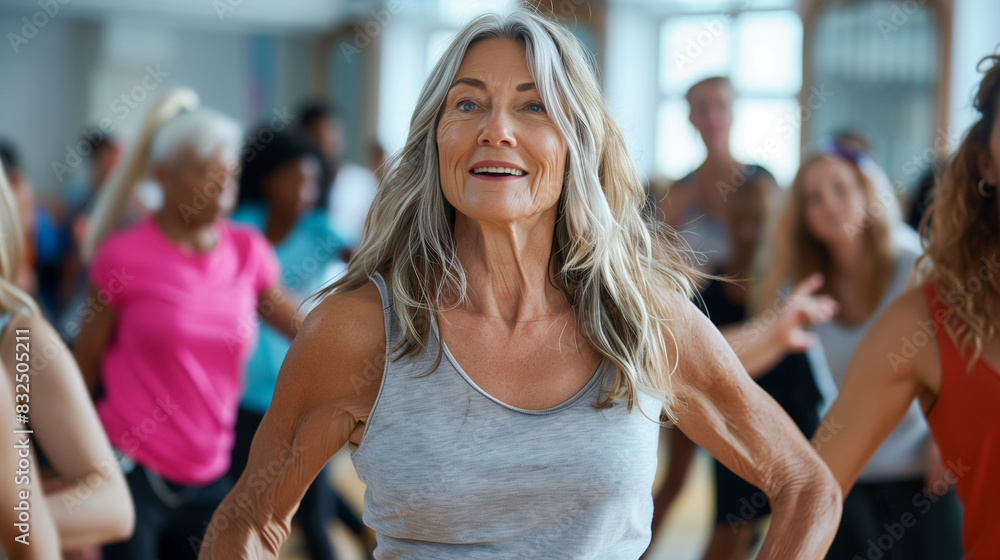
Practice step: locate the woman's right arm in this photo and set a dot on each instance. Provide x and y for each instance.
(325, 390)
(92, 341)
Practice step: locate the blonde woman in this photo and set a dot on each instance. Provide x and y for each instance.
(175, 305)
(92, 504)
(504, 340)
(939, 343)
(833, 223)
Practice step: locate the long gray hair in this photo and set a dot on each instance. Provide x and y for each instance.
(616, 266)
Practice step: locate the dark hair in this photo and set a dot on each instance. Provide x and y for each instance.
(987, 99)
(9, 157)
(97, 141)
(259, 161)
(312, 111)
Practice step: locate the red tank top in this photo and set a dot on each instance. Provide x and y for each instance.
(965, 424)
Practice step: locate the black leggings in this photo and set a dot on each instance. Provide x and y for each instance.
(898, 521)
(318, 504)
(170, 519)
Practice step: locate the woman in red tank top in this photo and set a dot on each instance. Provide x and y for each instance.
(939, 343)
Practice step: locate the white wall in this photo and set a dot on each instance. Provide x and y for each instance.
(631, 79)
(73, 75)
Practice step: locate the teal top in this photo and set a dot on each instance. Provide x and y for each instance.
(305, 256)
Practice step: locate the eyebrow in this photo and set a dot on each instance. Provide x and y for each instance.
(478, 84)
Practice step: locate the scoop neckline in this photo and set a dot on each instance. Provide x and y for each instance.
(530, 411)
(190, 254)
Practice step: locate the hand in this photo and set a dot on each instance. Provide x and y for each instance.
(802, 310)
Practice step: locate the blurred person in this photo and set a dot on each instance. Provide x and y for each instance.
(376, 159)
(696, 203)
(950, 322)
(853, 143)
(499, 353)
(90, 502)
(279, 197)
(172, 320)
(24, 199)
(772, 352)
(832, 223)
(352, 186)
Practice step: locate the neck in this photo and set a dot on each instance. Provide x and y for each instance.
(507, 268)
(278, 225)
(713, 176)
(848, 257)
(196, 237)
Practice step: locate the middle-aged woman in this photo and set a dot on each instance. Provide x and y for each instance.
(502, 344)
(939, 343)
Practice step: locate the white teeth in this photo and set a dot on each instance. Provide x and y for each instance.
(507, 170)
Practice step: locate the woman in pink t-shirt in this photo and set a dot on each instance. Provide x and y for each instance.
(171, 321)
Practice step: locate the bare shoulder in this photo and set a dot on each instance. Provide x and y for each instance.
(339, 352)
(42, 340)
(907, 334)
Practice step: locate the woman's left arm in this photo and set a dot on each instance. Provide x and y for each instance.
(280, 310)
(725, 412)
(94, 505)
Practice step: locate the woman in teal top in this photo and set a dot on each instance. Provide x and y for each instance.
(280, 196)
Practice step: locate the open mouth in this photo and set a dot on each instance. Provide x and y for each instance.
(498, 172)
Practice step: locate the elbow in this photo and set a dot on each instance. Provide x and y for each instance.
(813, 493)
(121, 521)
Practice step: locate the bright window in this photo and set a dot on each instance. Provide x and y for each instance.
(761, 52)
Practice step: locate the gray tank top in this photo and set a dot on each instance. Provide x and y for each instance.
(454, 473)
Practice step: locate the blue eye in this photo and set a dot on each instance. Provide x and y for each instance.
(536, 108)
(467, 105)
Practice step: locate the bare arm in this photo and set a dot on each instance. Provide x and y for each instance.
(94, 506)
(726, 413)
(760, 343)
(326, 387)
(97, 325)
(21, 493)
(877, 389)
(279, 310)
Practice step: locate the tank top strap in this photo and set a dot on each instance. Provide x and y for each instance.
(393, 330)
(951, 359)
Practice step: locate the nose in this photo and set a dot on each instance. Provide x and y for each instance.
(497, 130)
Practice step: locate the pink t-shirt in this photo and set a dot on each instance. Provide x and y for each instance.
(187, 323)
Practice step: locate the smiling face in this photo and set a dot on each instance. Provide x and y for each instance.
(833, 200)
(501, 157)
